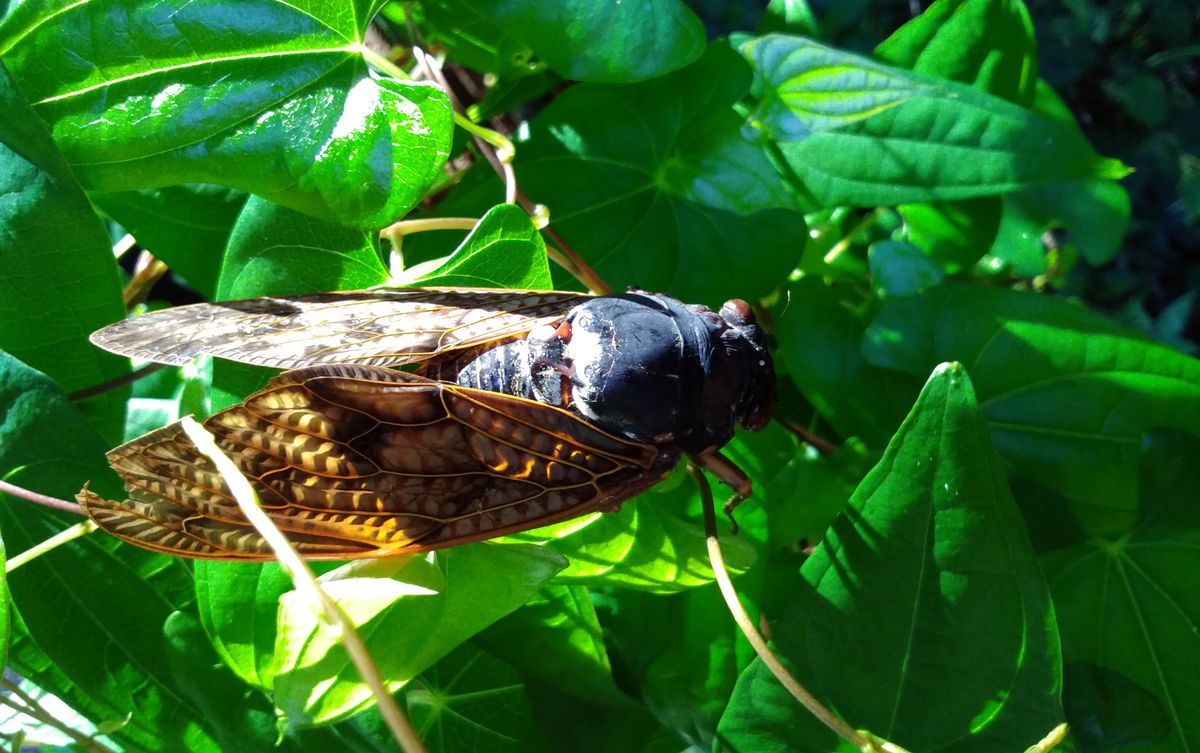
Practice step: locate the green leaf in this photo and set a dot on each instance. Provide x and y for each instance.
(276, 250)
(114, 659)
(1095, 214)
(60, 281)
(241, 717)
(406, 632)
(272, 98)
(1067, 394)
(820, 345)
(238, 604)
(927, 582)
(557, 639)
(583, 40)
(990, 45)
(504, 250)
(473, 701)
(986, 43)
(663, 189)
(186, 227)
(900, 269)
(955, 234)
(643, 546)
(800, 490)
(1129, 602)
(856, 132)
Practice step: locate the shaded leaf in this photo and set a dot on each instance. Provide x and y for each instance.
(556, 638)
(583, 40)
(471, 700)
(664, 190)
(186, 227)
(114, 659)
(1127, 602)
(60, 281)
(1066, 393)
(927, 582)
(820, 345)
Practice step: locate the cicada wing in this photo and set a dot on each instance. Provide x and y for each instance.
(378, 327)
(354, 461)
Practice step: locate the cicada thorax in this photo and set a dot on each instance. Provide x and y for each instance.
(642, 365)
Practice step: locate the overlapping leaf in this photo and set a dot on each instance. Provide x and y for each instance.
(406, 631)
(51, 240)
(1127, 604)
(927, 583)
(856, 132)
(663, 189)
(273, 98)
(1067, 394)
(115, 598)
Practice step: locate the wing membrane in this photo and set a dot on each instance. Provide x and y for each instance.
(363, 462)
(378, 327)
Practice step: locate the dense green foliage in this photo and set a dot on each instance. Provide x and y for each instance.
(975, 518)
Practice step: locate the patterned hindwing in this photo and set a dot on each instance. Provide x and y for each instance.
(379, 327)
(355, 461)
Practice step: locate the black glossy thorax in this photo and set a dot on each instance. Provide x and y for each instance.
(641, 365)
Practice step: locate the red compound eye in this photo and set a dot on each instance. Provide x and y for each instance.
(737, 312)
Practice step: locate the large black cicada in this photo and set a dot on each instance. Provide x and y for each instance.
(526, 408)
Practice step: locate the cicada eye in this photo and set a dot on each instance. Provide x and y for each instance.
(737, 313)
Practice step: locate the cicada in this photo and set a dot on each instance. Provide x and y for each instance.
(517, 409)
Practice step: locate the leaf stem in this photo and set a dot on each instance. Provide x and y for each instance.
(116, 383)
(307, 586)
(1051, 741)
(500, 156)
(426, 224)
(77, 531)
(790, 683)
(54, 503)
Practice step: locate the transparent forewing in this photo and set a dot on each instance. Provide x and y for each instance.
(364, 462)
(379, 327)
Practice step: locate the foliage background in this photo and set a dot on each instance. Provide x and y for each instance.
(935, 202)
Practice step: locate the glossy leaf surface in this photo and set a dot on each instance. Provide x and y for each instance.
(895, 137)
(268, 97)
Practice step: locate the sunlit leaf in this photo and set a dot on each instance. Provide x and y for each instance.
(272, 98)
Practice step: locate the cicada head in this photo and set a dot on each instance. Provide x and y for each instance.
(746, 342)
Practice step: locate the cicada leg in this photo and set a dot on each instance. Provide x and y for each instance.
(730, 475)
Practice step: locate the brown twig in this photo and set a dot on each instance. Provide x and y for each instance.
(148, 271)
(564, 255)
(822, 445)
(112, 384)
(53, 503)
